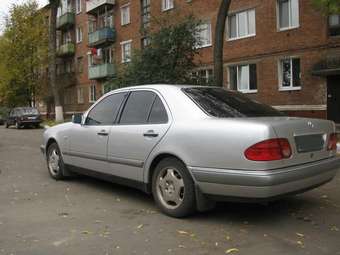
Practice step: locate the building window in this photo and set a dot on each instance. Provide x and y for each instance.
(79, 34)
(145, 13)
(126, 51)
(288, 14)
(243, 78)
(125, 14)
(204, 35)
(203, 76)
(92, 93)
(242, 24)
(145, 42)
(334, 25)
(167, 5)
(78, 6)
(289, 74)
(80, 64)
(80, 95)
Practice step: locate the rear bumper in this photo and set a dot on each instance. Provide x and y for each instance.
(265, 184)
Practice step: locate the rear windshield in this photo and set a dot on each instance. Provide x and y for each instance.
(27, 111)
(222, 103)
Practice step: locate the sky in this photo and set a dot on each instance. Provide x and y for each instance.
(5, 5)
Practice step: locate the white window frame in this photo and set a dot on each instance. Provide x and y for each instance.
(290, 16)
(79, 34)
(125, 10)
(79, 6)
(167, 5)
(245, 91)
(208, 24)
(123, 44)
(80, 95)
(280, 74)
(237, 25)
(92, 93)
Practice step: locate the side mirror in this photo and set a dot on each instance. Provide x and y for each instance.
(77, 118)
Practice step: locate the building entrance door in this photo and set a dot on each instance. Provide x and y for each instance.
(333, 98)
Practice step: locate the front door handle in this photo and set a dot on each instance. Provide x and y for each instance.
(150, 133)
(103, 133)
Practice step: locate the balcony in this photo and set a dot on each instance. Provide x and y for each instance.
(93, 5)
(101, 71)
(66, 20)
(102, 36)
(66, 50)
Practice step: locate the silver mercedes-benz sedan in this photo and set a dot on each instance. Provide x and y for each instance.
(190, 146)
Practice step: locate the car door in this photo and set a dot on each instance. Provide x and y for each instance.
(142, 124)
(88, 141)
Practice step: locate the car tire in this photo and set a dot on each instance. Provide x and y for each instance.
(173, 188)
(55, 163)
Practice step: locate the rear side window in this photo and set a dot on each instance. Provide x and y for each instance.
(105, 112)
(137, 108)
(158, 113)
(222, 103)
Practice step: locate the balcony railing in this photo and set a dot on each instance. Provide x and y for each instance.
(101, 71)
(67, 49)
(66, 20)
(93, 5)
(102, 36)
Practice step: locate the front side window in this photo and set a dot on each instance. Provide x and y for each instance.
(221, 103)
(125, 15)
(167, 5)
(92, 93)
(106, 111)
(137, 108)
(204, 35)
(334, 25)
(242, 24)
(243, 78)
(289, 74)
(126, 51)
(288, 14)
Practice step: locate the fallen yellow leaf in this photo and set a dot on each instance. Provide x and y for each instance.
(231, 250)
(182, 232)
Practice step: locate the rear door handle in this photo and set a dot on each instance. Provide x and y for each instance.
(103, 133)
(150, 133)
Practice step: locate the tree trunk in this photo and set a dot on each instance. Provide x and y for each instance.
(219, 41)
(52, 60)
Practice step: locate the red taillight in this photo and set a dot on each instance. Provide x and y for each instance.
(332, 142)
(268, 150)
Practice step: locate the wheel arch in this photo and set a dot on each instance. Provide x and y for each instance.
(49, 142)
(153, 164)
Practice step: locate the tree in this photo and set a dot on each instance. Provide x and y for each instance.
(328, 7)
(52, 56)
(219, 41)
(23, 50)
(168, 59)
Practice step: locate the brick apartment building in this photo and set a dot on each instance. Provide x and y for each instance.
(281, 52)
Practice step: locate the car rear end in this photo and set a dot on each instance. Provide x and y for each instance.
(261, 157)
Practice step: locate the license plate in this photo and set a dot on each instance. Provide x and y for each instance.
(308, 143)
(32, 118)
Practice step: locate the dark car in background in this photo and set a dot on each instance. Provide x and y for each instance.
(23, 117)
(2, 119)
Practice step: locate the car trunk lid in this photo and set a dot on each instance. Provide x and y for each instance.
(308, 137)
